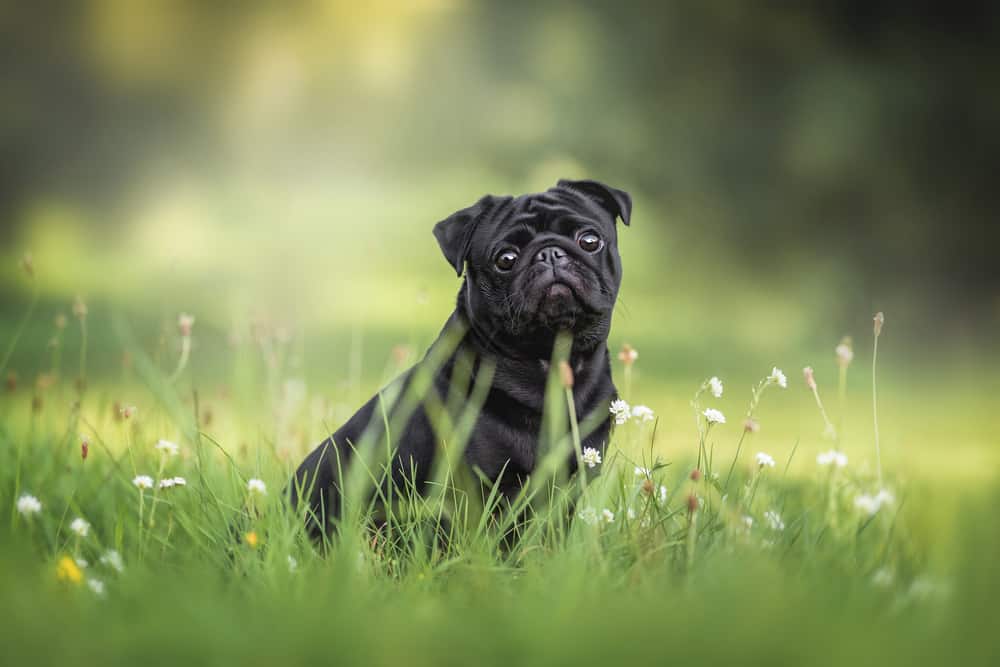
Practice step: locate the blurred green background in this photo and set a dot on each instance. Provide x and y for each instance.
(275, 169)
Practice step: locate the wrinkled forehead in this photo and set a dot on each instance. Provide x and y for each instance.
(557, 210)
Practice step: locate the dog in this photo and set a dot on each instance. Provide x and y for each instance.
(533, 266)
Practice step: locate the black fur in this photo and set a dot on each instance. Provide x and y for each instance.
(511, 319)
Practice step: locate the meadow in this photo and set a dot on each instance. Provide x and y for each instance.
(149, 433)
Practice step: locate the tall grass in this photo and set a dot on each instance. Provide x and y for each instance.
(639, 556)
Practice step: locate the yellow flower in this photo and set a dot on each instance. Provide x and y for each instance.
(68, 570)
(252, 539)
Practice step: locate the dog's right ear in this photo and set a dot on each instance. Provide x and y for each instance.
(454, 233)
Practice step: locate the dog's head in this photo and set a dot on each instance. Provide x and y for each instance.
(540, 263)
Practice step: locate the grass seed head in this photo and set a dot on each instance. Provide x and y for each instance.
(878, 321)
(628, 354)
(809, 376)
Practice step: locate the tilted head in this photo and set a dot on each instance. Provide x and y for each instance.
(539, 263)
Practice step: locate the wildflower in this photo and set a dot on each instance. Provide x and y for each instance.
(764, 460)
(293, 564)
(113, 559)
(128, 411)
(715, 386)
(832, 457)
(96, 586)
(82, 563)
(68, 570)
(591, 457)
(751, 425)
(252, 539)
(620, 409)
(84, 447)
(871, 504)
(878, 321)
(28, 505)
(773, 520)
(607, 516)
(628, 355)
(143, 482)
(692, 503)
(810, 377)
(80, 526)
(565, 374)
(180, 481)
(643, 413)
(168, 448)
(778, 378)
(642, 472)
(588, 515)
(167, 483)
(79, 307)
(713, 416)
(184, 323)
(257, 486)
(844, 352)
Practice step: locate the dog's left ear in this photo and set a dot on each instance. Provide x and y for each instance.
(616, 202)
(454, 233)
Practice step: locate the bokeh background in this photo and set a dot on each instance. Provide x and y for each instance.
(275, 168)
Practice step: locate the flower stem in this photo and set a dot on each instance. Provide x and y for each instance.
(878, 451)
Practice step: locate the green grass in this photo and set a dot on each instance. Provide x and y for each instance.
(834, 586)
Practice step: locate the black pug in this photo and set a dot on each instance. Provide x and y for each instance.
(535, 265)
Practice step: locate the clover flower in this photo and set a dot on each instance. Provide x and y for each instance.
(643, 413)
(588, 515)
(832, 457)
(257, 486)
(96, 586)
(113, 559)
(715, 386)
(168, 448)
(773, 520)
(27, 505)
(764, 459)
(607, 516)
(80, 526)
(620, 409)
(143, 482)
(778, 378)
(714, 416)
(591, 457)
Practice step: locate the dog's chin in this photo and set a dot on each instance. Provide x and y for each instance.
(558, 307)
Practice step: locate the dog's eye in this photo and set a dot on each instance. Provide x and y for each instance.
(590, 242)
(505, 260)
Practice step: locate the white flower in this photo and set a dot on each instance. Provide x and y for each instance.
(170, 482)
(143, 482)
(715, 385)
(257, 486)
(642, 472)
(607, 515)
(630, 514)
(113, 559)
(764, 460)
(774, 521)
(82, 563)
(591, 457)
(832, 457)
(96, 585)
(588, 515)
(168, 448)
(620, 410)
(714, 416)
(180, 481)
(293, 564)
(870, 505)
(28, 505)
(643, 413)
(80, 526)
(778, 378)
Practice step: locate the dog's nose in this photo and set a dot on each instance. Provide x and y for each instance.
(553, 255)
